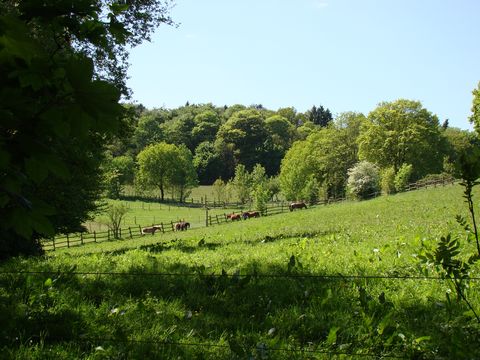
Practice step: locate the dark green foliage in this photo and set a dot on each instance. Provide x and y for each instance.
(56, 111)
(244, 135)
(47, 134)
(320, 116)
(207, 163)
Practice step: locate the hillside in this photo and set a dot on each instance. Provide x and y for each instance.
(326, 281)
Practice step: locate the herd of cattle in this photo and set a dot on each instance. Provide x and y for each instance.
(184, 225)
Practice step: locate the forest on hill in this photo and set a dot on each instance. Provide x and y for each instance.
(305, 155)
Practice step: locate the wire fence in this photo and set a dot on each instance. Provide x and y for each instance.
(260, 347)
(309, 350)
(332, 277)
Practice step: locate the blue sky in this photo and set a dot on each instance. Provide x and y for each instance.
(347, 55)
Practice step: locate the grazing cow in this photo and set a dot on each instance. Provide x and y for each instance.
(297, 205)
(250, 214)
(182, 225)
(151, 229)
(234, 217)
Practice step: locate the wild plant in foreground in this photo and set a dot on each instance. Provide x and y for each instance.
(446, 256)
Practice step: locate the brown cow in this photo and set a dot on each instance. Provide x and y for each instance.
(297, 205)
(151, 229)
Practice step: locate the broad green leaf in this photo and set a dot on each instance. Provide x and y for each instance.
(332, 335)
(36, 169)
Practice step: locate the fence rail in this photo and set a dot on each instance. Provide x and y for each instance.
(273, 208)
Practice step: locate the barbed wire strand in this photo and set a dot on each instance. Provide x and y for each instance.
(194, 344)
(254, 275)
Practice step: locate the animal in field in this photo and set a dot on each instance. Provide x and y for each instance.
(297, 205)
(182, 225)
(234, 217)
(250, 214)
(151, 229)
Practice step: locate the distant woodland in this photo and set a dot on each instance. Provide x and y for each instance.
(310, 152)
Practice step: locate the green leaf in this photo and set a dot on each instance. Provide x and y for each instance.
(422, 339)
(48, 282)
(79, 72)
(4, 159)
(117, 8)
(36, 169)
(332, 335)
(118, 31)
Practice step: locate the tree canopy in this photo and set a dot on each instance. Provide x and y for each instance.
(475, 117)
(166, 166)
(401, 132)
(62, 74)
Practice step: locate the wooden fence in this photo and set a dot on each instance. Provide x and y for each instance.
(77, 239)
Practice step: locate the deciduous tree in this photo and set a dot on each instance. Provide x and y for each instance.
(166, 166)
(402, 132)
(475, 117)
(245, 133)
(61, 73)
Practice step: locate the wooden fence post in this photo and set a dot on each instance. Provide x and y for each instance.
(53, 241)
(130, 231)
(81, 238)
(68, 241)
(173, 228)
(108, 234)
(210, 220)
(140, 230)
(120, 232)
(163, 229)
(94, 236)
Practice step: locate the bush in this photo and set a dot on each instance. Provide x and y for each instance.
(403, 177)
(387, 180)
(363, 180)
(311, 190)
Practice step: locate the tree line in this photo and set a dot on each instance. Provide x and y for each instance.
(307, 155)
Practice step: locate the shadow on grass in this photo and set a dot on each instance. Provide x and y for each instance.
(278, 306)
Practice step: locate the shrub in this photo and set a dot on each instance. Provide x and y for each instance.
(311, 190)
(403, 177)
(387, 180)
(363, 180)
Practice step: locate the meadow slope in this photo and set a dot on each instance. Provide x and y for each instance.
(326, 282)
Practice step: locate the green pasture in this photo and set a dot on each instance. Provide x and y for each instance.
(339, 281)
(198, 194)
(150, 213)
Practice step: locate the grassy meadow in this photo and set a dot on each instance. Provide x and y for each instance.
(150, 213)
(339, 281)
(198, 194)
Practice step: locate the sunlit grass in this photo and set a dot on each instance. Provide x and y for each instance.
(332, 309)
